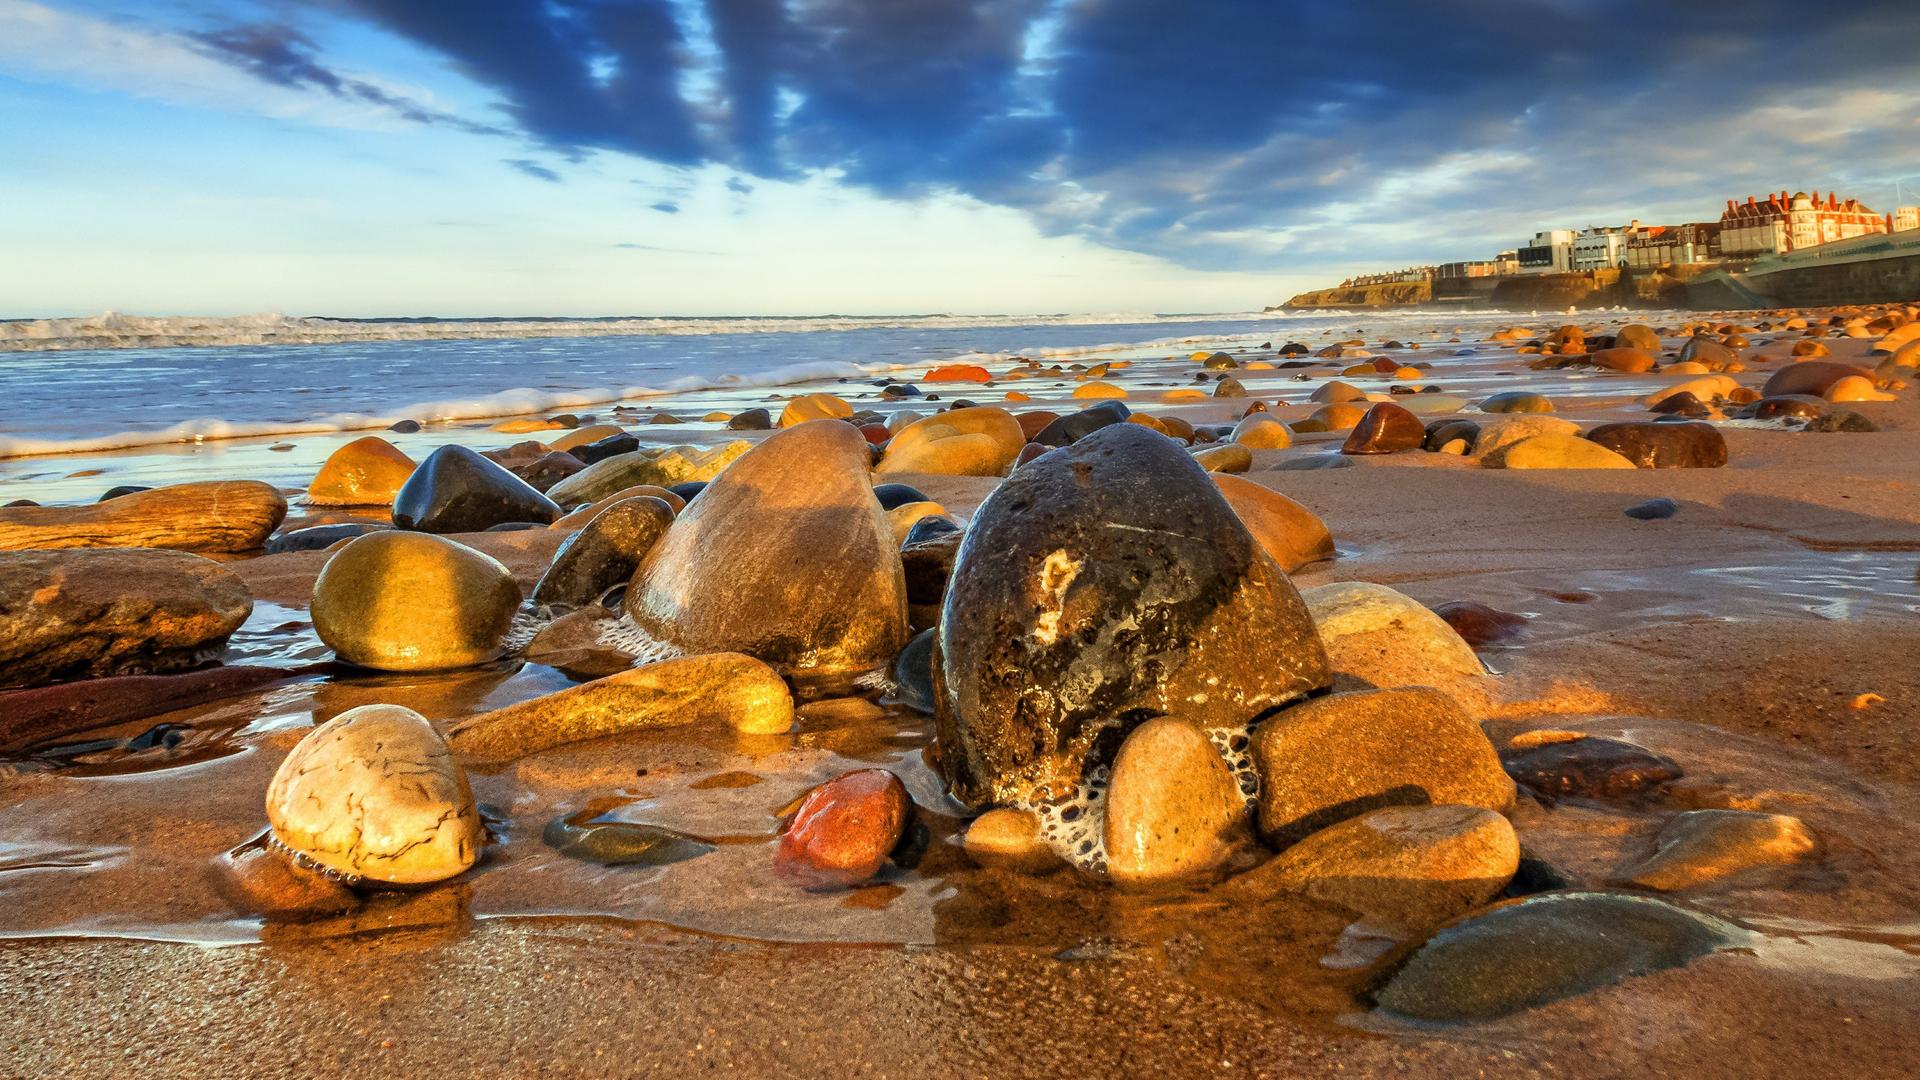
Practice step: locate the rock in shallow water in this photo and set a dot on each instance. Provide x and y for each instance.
(603, 554)
(409, 601)
(1588, 766)
(1702, 846)
(1172, 807)
(665, 467)
(786, 557)
(217, 517)
(1097, 587)
(843, 831)
(982, 441)
(621, 843)
(1010, 839)
(1379, 637)
(366, 472)
(457, 490)
(1542, 949)
(88, 613)
(374, 794)
(1477, 624)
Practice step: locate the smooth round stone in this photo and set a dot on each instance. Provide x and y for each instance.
(603, 554)
(374, 794)
(1517, 401)
(585, 436)
(1854, 388)
(895, 496)
(1477, 624)
(1497, 435)
(1182, 395)
(621, 843)
(1220, 362)
(1098, 390)
(1339, 416)
(578, 519)
(1701, 847)
(787, 557)
(752, 420)
(1172, 806)
(457, 490)
(1653, 509)
(215, 517)
(1588, 766)
(1682, 404)
(366, 472)
(1335, 391)
(1542, 949)
(1555, 452)
(404, 427)
(1632, 360)
(1637, 336)
(1408, 866)
(1376, 636)
(981, 441)
(548, 469)
(1292, 534)
(1664, 445)
(1385, 429)
(1336, 757)
(406, 601)
(902, 519)
(1841, 420)
(959, 373)
(580, 643)
(843, 831)
(660, 466)
(1810, 348)
(729, 688)
(320, 537)
(1707, 388)
(913, 673)
(814, 407)
(1442, 432)
(607, 446)
(1802, 406)
(1229, 387)
(927, 528)
(258, 880)
(1811, 377)
(1427, 403)
(1262, 432)
(1106, 580)
(1010, 839)
(1705, 350)
(1072, 427)
(1228, 458)
(525, 425)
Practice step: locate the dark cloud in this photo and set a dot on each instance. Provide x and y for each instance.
(1242, 134)
(532, 168)
(739, 186)
(665, 207)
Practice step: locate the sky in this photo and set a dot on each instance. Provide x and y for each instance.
(701, 157)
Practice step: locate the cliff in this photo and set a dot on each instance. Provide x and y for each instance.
(1394, 294)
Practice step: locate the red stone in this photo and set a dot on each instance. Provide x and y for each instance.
(1035, 422)
(877, 434)
(1383, 364)
(960, 373)
(1029, 452)
(1623, 359)
(1385, 429)
(844, 829)
(1479, 624)
(28, 716)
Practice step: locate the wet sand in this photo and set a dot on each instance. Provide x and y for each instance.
(1734, 637)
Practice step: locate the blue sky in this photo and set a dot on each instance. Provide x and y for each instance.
(695, 157)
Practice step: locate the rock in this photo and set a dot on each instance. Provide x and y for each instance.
(34, 715)
(1841, 420)
(583, 644)
(786, 557)
(1339, 416)
(1632, 360)
(1637, 336)
(1377, 637)
(814, 407)
(901, 520)
(1009, 839)
(1497, 435)
(1099, 585)
(88, 613)
(525, 426)
(1074, 426)
(1854, 388)
(1664, 445)
(1440, 433)
(547, 470)
(590, 435)
(406, 601)
(1172, 806)
(1230, 458)
(457, 490)
(1229, 387)
(751, 420)
(404, 427)
(1586, 766)
(843, 831)
(1262, 432)
(959, 373)
(217, 517)
(1810, 348)
(620, 442)
(1478, 624)
(578, 519)
(1385, 429)
(620, 843)
(603, 554)
(895, 496)
(1292, 534)
(1700, 847)
(1682, 404)
(365, 472)
(320, 537)
(660, 466)
(373, 794)
(927, 528)
(1098, 390)
(913, 673)
(1337, 391)
(712, 687)
(980, 441)
(1407, 866)
(1555, 452)
(1705, 350)
(1789, 406)
(1516, 401)
(1653, 509)
(257, 880)
(1541, 949)
(1708, 388)
(1811, 377)
(1336, 757)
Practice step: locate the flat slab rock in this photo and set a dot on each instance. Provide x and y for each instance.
(217, 517)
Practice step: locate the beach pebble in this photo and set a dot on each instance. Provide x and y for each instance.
(1516, 401)
(892, 496)
(1074, 426)
(1854, 388)
(258, 880)
(215, 517)
(406, 601)
(814, 407)
(1010, 839)
(1810, 348)
(1802, 406)
(404, 427)
(1376, 636)
(1542, 949)
(1292, 534)
(1107, 580)
(1811, 377)
(1262, 432)
(959, 373)
(578, 518)
(1664, 445)
(1477, 624)
(751, 420)
(786, 557)
(320, 537)
(1498, 434)
(1707, 388)
(981, 441)
(365, 472)
(373, 794)
(604, 553)
(1385, 429)
(1712, 354)
(1336, 391)
(592, 453)
(659, 466)
(1229, 388)
(620, 843)
(1227, 458)
(1554, 452)
(843, 831)
(585, 436)
(1653, 509)
(1841, 420)
(1682, 404)
(902, 519)
(1700, 847)
(1411, 867)
(580, 643)
(1098, 390)
(457, 490)
(1587, 766)
(1637, 336)
(913, 673)
(91, 613)
(1172, 806)
(1627, 359)
(1336, 757)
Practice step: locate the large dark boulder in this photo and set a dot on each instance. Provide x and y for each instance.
(456, 490)
(1657, 445)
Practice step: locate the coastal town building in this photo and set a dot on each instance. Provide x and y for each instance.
(1596, 248)
(1551, 252)
(1391, 277)
(1471, 269)
(1651, 247)
(1906, 217)
(1789, 222)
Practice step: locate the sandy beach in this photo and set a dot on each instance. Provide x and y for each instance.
(1754, 638)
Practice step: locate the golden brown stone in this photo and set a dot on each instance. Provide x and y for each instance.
(221, 516)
